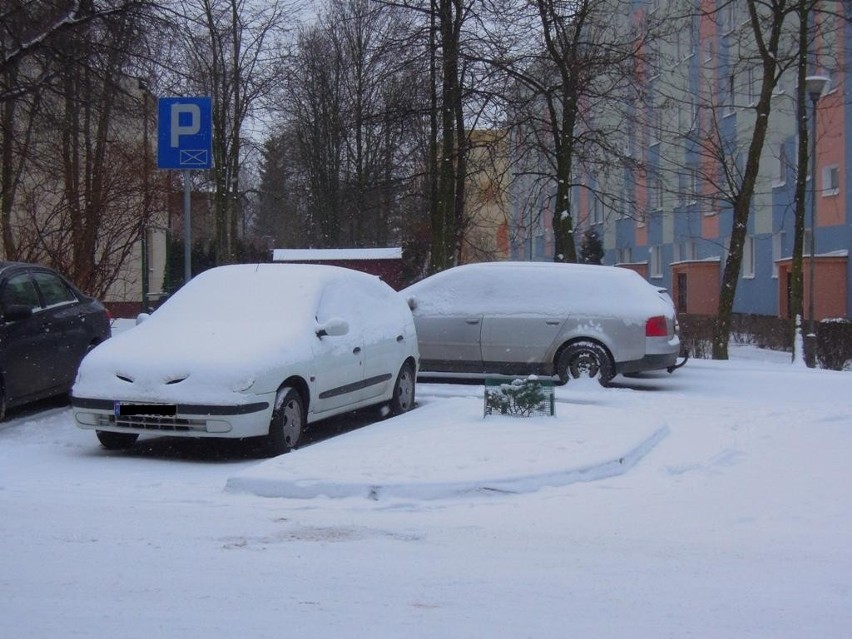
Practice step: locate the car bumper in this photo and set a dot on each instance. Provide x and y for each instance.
(176, 420)
(647, 363)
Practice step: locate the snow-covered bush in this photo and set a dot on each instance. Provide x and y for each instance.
(519, 398)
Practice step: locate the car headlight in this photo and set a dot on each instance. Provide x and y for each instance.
(242, 385)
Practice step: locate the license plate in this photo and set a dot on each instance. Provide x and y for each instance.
(124, 409)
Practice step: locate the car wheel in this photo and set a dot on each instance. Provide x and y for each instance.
(584, 359)
(2, 403)
(116, 441)
(288, 421)
(403, 390)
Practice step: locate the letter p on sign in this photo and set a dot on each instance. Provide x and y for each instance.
(184, 138)
(183, 125)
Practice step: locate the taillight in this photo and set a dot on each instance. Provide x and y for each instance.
(656, 327)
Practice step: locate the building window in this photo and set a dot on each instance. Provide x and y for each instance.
(684, 251)
(685, 41)
(730, 106)
(692, 187)
(830, 181)
(777, 251)
(655, 124)
(655, 195)
(656, 259)
(690, 40)
(748, 257)
(752, 97)
(688, 250)
(729, 17)
(597, 209)
(782, 166)
(653, 59)
(624, 255)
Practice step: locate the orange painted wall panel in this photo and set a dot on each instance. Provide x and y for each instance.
(702, 293)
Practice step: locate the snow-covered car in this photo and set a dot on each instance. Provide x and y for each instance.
(563, 320)
(256, 350)
(46, 327)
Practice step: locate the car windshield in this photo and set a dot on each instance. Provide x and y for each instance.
(241, 292)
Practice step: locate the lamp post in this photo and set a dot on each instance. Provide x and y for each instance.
(146, 202)
(814, 86)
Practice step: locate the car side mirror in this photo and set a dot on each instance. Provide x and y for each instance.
(334, 327)
(412, 303)
(141, 318)
(17, 312)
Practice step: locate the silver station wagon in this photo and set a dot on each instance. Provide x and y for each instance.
(544, 318)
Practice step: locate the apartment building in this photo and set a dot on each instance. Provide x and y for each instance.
(665, 207)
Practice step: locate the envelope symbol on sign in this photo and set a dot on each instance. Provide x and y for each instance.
(193, 156)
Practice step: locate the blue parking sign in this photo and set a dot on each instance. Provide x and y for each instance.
(184, 133)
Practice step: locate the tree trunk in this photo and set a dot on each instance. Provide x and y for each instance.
(742, 201)
(565, 248)
(796, 308)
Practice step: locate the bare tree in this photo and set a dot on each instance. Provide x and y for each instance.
(87, 217)
(34, 31)
(830, 19)
(351, 108)
(34, 53)
(575, 85)
(230, 48)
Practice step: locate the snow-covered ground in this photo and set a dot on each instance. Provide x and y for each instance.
(714, 502)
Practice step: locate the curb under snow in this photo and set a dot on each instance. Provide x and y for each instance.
(446, 449)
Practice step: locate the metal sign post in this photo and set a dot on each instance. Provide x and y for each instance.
(187, 228)
(185, 142)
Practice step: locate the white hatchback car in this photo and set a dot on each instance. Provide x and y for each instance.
(566, 320)
(252, 351)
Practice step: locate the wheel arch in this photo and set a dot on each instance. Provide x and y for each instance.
(301, 387)
(410, 360)
(579, 339)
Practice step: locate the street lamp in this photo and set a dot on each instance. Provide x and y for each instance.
(814, 86)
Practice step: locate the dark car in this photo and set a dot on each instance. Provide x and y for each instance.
(46, 327)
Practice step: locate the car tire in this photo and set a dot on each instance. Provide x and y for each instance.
(116, 441)
(287, 424)
(584, 359)
(2, 403)
(403, 390)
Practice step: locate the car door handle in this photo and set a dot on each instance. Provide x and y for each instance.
(356, 350)
(472, 320)
(552, 322)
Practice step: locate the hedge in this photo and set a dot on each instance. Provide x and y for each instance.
(833, 336)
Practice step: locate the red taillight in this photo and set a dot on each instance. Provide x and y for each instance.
(656, 327)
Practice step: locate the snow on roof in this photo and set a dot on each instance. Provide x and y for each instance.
(318, 255)
(840, 253)
(544, 288)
